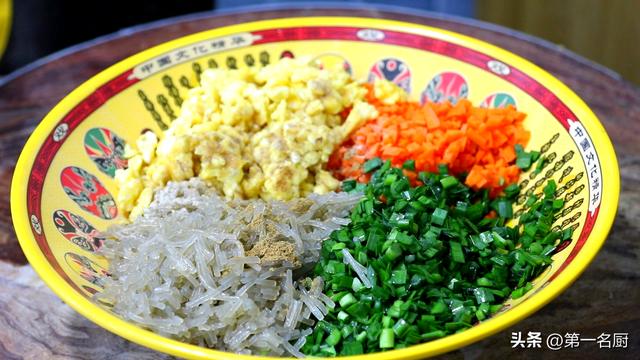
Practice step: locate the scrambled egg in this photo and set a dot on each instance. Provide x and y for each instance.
(253, 132)
(388, 92)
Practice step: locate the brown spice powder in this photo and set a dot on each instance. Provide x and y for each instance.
(275, 251)
(264, 240)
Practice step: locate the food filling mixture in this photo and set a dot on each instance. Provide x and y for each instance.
(294, 210)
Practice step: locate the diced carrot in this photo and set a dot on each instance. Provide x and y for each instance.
(432, 120)
(508, 154)
(413, 148)
(392, 151)
(474, 140)
(488, 158)
(458, 110)
(499, 138)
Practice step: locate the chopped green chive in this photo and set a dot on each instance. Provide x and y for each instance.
(448, 181)
(387, 339)
(334, 337)
(456, 252)
(432, 262)
(438, 216)
(372, 164)
(347, 300)
(409, 165)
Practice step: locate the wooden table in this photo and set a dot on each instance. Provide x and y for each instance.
(35, 324)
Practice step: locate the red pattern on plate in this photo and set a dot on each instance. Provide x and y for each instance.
(446, 86)
(50, 148)
(78, 230)
(88, 192)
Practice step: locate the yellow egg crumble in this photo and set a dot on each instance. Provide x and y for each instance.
(251, 132)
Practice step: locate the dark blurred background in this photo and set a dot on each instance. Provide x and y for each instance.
(605, 31)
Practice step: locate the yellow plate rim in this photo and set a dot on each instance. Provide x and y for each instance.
(151, 340)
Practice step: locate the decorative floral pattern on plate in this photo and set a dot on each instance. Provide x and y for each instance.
(498, 100)
(86, 268)
(106, 149)
(88, 192)
(78, 230)
(445, 86)
(394, 70)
